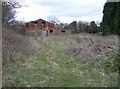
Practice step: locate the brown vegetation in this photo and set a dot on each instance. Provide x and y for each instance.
(17, 46)
(85, 46)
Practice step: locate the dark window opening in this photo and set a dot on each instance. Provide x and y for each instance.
(51, 31)
(35, 22)
(43, 22)
(26, 25)
(63, 31)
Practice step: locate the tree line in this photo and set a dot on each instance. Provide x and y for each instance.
(111, 18)
(109, 25)
(83, 27)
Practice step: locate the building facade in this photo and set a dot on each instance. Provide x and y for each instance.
(41, 24)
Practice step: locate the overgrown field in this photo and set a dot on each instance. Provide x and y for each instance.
(71, 61)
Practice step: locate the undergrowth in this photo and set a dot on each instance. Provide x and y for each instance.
(51, 67)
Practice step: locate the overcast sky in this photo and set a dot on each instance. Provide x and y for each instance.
(65, 10)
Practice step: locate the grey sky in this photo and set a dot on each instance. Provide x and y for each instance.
(64, 10)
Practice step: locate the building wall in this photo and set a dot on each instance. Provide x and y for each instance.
(30, 26)
(33, 25)
(45, 25)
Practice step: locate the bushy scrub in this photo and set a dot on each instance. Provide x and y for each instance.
(112, 62)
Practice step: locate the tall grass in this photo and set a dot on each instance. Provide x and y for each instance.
(51, 67)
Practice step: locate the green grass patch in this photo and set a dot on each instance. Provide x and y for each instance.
(51, 66)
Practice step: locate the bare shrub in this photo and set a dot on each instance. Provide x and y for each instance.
(17, 47)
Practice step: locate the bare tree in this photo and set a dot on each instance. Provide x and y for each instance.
(53, 19)
(8, 12)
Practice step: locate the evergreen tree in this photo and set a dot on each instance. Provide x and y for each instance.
(117, 20)
(73, 27)
(93, 27)
(106, 22)
(111, 18)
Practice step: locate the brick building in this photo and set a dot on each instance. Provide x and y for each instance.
(41, 24)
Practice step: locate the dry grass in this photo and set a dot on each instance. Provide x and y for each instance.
(16, 46)
(58, 61)
(85, 46)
